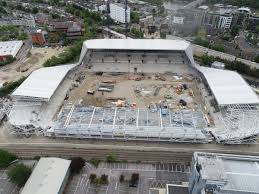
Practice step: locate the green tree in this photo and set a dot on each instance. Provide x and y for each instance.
(256, 59)
(137, 33)
(134, 16)
(19, 174)
(207, 60)
(35, 10)
(77, 163)
(257, 28)
(162, 35)
(111, 158)
(234, 30)
(22, 36)
(202, 42)
(6, 158)
(95, 162)
(9, 88)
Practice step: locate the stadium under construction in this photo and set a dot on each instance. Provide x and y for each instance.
(226, 98)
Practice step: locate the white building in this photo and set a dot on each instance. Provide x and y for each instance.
(10, 48)
(225, 21)
(38, 98)
(224, 173)
(48, 177)
(118, 13)
(178, 20)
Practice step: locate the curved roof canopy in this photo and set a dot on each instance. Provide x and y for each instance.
(42, 83)
(137, 44)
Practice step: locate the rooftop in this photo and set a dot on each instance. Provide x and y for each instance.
(137, 44)
(234, 172)
(229, 87)
(42, 83)
(8, 48)
(47, 176)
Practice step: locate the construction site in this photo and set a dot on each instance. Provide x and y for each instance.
(147, 94)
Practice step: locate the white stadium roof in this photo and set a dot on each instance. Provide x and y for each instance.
(10, 48)
(137, 44)
(42, 83)
(229, 87)
(47, 177)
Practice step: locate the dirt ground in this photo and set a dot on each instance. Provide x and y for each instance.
(148, 90)
(34, 61)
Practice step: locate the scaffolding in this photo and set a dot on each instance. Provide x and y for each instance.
(75, 121)
(240, 124)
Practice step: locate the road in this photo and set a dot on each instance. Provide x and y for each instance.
(198, 50)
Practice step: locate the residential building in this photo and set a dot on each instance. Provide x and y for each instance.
(253, 21)
(119, 13)
(38, 37)
(224, 173)
(225, 21)
(72, 29)
(48, 177)
(26, 22)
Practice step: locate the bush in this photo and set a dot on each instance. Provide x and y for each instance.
(95, 162)
(104, 179)
(201, 42)
(137, 33)
(6, 158)
(256, 59)
(8, 60)
(9, 87)
(134, 180)
(68, 56)
(92, 178)
(19, 174)
(77, 163)
(121, 178)
(111, 158)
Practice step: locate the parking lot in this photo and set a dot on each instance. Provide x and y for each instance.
(150, 175)
(7, 187)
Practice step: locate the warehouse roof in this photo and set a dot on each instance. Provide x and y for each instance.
(229, 87)
(137, 44)
(8, 48)
(47, 176)
(238, 172)
(42, 83)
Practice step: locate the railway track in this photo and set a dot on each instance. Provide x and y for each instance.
(88, 153)
(180, 153)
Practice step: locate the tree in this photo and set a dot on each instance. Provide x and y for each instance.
(137, 33)
(3, 3)
(257, 28)
(104, 179)
(207, 60)
(134, 16)
(22, 36)
(256, 59)
(234, 30)
(95, 162)
(163, 35)
(19, 174)
(35, 10)
(111, 158)
(202, 42)
(134, 180)
(92, 177)
(6, 158)
(77, 163)
(121, 178)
